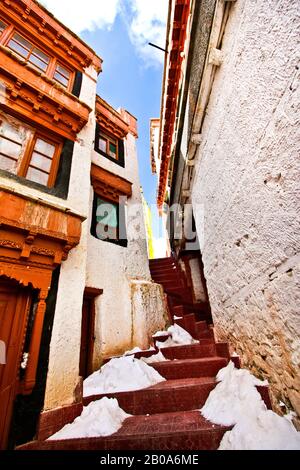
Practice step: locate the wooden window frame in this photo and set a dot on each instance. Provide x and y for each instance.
(8, 34)
(120, 159)
(109, 139)
(24, 161)
(30, 51)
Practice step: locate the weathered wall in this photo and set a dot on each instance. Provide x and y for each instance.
(248, 181)
(149, 313)
(199, 288)
(113, 268)
(63, 370)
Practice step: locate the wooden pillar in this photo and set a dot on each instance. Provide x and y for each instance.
(34, 348)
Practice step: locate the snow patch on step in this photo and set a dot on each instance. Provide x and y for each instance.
(121, 374)
(100, 418)
(137, 350)
(160, 333)
(179, 337)
(236, 401)
(154, 358)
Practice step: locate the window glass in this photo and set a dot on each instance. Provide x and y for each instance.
(62, 75)
(108, 145)
(37, 176)
(62, 71)
(40, 162)
(102, 144)
(43, 147)
(11, 144)
(61, 79)
(16, 47)
(106, 220)
(26, 50)
(2, 26)
(40, 64)
(112, 150)
(19, 39)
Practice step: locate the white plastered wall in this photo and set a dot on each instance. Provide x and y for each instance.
(248, 183)
(131, 306)
(63, 370)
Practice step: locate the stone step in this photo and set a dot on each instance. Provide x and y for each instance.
(178, 284)
(171, 395)
(159, 261)
(190, 351)
(187, 368)
(165, 271)
(177, 431)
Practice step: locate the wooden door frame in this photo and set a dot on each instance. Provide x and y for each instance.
(23, 304)
(90, 293)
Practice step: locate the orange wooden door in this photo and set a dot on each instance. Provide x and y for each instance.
(14, 308)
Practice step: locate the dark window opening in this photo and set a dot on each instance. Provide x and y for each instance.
(108, 221)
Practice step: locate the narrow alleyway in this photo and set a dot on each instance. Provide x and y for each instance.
(166, 415)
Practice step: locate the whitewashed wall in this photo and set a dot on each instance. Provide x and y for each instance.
(63, 370)
(248, 181)
(116, 269)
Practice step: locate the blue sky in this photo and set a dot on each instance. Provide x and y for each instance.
(126, 82)
(119, 31)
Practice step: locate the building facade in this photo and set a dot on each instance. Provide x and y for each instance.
(228, 156)
(75, 284)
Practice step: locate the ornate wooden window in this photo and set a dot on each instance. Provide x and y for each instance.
(36, 57)
(27, 152)
(109, 146)
(29, 52)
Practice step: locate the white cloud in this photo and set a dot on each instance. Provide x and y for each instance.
(145, 20)
(84, 15)
(148, 24)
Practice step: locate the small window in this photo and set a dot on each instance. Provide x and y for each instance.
(11, 144)
(108, 222)
(2, 27)
(40, 162)
(108, 145)
(24, 152)
(62, 75)
(29, 52)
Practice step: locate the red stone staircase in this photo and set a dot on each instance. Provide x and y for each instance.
(166, 416)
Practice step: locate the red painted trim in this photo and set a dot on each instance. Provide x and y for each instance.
(178, 36)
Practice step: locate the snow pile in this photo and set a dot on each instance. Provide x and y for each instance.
(264, 431)
(160, 333)
(121, 374)
(154, 358)
(100, 418)
(236, 401)
(137, 350)
(178, 337)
